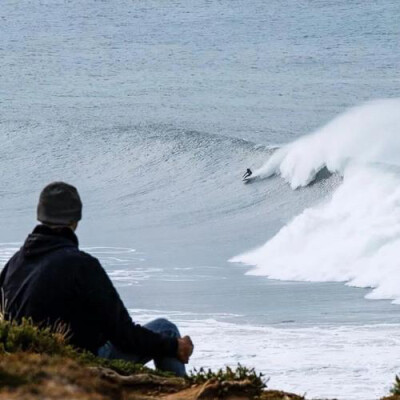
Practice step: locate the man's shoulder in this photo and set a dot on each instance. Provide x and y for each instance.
(79, 256)
(89, 259)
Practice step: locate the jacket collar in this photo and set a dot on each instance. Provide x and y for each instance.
(65, 233)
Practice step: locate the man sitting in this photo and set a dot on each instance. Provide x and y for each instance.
(51, 281)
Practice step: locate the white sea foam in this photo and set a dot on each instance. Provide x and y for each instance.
(345, 363)
(353, 236)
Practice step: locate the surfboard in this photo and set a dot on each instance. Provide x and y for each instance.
(249, 179)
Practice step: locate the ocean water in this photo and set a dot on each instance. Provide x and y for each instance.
(155, 109)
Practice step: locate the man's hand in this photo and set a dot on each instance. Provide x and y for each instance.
(185, 349)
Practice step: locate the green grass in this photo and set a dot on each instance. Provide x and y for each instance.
(25, 336)
(240, 373)
(396, 386)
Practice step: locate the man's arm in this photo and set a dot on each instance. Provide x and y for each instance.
(109, 313)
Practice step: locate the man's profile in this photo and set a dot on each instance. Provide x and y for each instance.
(50, 280)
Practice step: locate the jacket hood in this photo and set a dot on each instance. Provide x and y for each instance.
(44, 240)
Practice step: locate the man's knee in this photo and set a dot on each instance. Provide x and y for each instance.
(163, 325)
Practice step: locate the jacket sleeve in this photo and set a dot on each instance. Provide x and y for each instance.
(109, 313)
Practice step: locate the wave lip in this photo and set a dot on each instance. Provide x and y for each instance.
(353, 236)
(365, 134)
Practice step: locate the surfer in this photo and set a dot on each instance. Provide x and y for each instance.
(247, 174)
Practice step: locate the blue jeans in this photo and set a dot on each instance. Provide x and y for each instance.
(171, 364)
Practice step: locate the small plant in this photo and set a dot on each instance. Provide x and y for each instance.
(396, 387)
(240, 373)
(26, 336)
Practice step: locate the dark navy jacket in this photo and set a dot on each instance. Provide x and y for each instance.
(50, 280)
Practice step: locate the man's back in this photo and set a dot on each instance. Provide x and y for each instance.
(51, 281)
(44, 281)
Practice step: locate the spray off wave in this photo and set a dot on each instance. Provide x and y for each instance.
(354, 236)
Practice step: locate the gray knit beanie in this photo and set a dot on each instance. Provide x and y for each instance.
(59, 204)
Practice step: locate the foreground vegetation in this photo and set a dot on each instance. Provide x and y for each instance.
(39, 364)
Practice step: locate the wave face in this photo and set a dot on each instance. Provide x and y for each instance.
(354, 235)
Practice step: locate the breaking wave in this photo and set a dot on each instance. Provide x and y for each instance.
(354, 235)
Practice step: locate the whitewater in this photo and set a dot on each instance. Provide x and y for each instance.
(354, 235)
